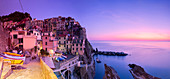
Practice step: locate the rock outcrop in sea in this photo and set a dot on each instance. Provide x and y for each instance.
(110, 73)
(139, 73)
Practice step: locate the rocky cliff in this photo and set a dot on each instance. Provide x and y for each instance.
(86, 72)
(15, 17)
(110, 73)
(139, 73)
(4, 38)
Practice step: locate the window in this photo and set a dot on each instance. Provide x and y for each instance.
(59, 45)
(80, 44)
(21, 40)
(73, 44)
(46, 49)
(53, 35)
(45, 37)
(21, 46)
(15, 36)
(73, 48)
(76, 49)
(28, 33)
(76, 44)
(64, 37)
(64, 45)
(34, 33)
(38, 42)
(64, 42)
(45, 43)
(81, 49)
(59, 42)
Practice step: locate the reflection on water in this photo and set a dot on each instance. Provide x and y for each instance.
(152, 56)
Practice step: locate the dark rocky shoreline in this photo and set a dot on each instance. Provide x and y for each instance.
(110, 73)
(110, 53)
(139, 73)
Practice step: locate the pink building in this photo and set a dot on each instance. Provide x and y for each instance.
(25, 39)
(49, 42)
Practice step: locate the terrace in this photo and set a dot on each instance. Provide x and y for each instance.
(34, 70)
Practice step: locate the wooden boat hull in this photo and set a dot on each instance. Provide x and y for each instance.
(13, 59)
(13, 54)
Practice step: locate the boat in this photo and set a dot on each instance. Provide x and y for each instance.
(98, 61)
(11, 53)
(13, 59)
(63, 56)
(60, 58)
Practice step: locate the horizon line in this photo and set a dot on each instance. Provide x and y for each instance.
(131, 40)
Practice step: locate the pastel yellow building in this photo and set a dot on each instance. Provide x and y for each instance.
(62, 43)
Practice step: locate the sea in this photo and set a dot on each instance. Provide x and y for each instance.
(153, 56)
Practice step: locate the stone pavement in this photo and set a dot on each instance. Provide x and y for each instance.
(33, 71)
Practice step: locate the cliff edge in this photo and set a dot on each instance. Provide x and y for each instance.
(139, 73)
(110, 73)
(89, 71)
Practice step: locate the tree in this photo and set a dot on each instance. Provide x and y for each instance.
(43, 52)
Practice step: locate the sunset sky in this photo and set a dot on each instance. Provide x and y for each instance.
(104, 19)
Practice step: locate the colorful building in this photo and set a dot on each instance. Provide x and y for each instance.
(62, 42)
(78, 46)
(49, 42)
(25, 39)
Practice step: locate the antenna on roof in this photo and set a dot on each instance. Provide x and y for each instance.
(21, 6)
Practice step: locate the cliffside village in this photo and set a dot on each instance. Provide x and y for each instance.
(57, 34)
(59, 42)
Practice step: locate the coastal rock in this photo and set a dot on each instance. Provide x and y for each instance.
(110, 73)
(139, 73)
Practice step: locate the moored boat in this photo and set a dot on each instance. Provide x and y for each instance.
(13, 59)
(13, 54)
(98, 61)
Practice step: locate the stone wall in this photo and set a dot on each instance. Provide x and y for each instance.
(47, 71)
